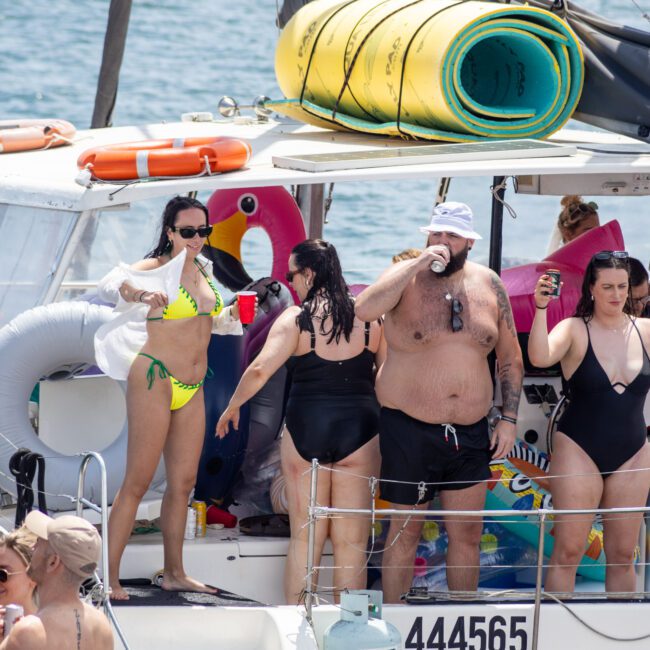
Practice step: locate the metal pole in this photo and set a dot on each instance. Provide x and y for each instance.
(496, 226)
(538, 579)
(311, 541)
(103, 510)
(311, 201)
(443, 189)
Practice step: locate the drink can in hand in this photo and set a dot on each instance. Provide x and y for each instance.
(12, 614)
(555, 278)
(246, 302)
(438, 267)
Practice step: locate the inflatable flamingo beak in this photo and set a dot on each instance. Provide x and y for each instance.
(223, 247)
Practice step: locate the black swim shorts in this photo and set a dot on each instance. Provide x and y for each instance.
(445, 456)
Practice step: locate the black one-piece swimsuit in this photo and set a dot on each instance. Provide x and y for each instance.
(332, 409)
(608, 425)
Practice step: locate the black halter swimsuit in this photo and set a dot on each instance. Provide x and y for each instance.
(332, 409)
(608, 425)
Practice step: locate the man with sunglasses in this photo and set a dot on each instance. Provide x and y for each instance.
(436, 389)
(67, 552)
(639, 288)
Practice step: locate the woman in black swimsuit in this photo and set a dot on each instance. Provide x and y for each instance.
(332, 412)
(601, 456)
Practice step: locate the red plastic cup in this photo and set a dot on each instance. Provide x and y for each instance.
(216, 515)
(246, 302)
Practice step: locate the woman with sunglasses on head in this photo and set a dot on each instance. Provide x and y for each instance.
(575, 219)
(600, 455)
(16, 588)
(332, 412)
(167, 308)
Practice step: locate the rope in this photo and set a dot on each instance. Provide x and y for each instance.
(495, 189)
(590, 627)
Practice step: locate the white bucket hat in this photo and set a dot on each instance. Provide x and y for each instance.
(452, 217)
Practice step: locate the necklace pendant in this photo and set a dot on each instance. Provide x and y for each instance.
(448, 296)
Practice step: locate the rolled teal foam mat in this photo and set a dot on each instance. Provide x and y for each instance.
(429, 69)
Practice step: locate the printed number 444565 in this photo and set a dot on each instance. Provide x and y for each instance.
(470, 633)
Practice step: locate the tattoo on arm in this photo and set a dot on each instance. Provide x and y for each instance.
(510, 378)
(503, 303)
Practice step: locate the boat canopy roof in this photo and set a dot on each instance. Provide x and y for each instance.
(47, 178)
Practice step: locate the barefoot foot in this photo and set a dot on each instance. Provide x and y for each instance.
(118, 592)
(185, 583)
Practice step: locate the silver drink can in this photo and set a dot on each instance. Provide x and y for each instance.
(555, 278)
(438, 267)
(190, 524)
(12, 613)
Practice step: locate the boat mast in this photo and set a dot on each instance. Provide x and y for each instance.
(109, 74)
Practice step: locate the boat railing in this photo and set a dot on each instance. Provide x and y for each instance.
(102, 510)
(540, 514)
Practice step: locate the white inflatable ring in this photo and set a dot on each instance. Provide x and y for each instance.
(35, 344)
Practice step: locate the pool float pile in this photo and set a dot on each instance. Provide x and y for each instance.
(433, 70)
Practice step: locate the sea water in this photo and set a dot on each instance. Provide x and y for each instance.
(183, 55)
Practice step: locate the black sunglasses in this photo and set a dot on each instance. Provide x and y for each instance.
(606, 255)
(592, 206)
(456, 320)
(187, 232)
(5, 575)
(290, 274)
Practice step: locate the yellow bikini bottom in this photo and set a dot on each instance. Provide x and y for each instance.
(181, 393)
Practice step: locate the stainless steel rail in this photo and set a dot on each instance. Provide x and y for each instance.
(316, 511)
(102, 509)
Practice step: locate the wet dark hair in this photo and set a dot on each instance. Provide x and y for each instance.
(585, 306)
(173, 207)
(638, 273)
(320, 257)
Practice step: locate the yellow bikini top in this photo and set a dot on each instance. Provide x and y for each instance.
(185, 306)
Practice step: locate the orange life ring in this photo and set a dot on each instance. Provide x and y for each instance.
(26, 135)
(173, 157)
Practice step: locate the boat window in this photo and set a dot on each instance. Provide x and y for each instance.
(124, 233)
(33, 240)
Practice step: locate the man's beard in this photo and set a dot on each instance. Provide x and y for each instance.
(456, 262)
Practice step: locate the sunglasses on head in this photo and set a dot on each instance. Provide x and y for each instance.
(592, 206)
(607, 255)
(456, 320)
(187, 232)
(5, 575)
(290, 274)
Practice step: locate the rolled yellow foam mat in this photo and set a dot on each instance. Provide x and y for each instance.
(430, 69)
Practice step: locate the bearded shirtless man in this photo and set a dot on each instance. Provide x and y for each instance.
(436, 389)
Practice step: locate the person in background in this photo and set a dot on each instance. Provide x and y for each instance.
(575, 219)
(16, 587)
(601, 437)
(66, 553)
(436, 389)
(406, 254)
(167, 309)
(639, 288)
(332, 412)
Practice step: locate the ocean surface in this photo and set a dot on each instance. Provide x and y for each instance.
(183, 55)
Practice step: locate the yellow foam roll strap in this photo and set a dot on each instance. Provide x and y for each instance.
(431, 69)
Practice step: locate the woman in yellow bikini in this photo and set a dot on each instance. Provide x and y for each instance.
(167, 307)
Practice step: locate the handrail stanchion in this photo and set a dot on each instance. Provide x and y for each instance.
(538, 579)
(102, 509)
(311, 540)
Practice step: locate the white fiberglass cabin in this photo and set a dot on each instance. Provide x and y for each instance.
(59, 237)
